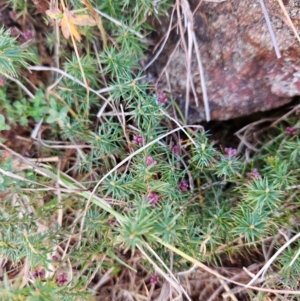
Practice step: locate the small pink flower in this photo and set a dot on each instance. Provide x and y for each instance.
(150, 161)
(153, 198)
(28, 35)
(162, 98)
(183, 186)
(14, 32)
(6, 155)
(2, 82)
(175, 148)
(39, 274)
(62, 278)
(154, 279)
(138, 139)
(291, 131)
(13, 15)
(196, 128)
(55, 258)
(253, 174)
(230, 152)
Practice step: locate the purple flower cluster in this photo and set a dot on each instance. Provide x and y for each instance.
(150, 161)
(175, 149)
(62, 278)
(13, 15)
(183, 186)
(230, 152)
(153, 198)
(6, 155)
(2, 82)
(138, 139)
(39, 274)
(26, 35)
(162, 98)
(291, 131)
(154, 279)
(253, 174)
(55, 258)
(14, 31)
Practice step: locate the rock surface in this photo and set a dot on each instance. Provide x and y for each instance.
(242, 73)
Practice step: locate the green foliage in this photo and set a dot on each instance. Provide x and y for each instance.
(262, 195)
(3, 125)
(250, 225)
(117, 64)
(59, 115)
(137, 226)
(24, 109)
(12, 56)
(21, 6)
(89, 65)
(204, 153)
(289, 264)
(109, 189)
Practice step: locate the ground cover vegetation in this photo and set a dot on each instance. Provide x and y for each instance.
(107, 192)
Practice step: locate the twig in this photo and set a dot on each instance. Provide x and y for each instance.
(218, 275)
(235, 277)
(188, 51)
(270, 261)
(170, 277)
(285, 115)
(99, 22)
(86, 85)
(118, 23)
(106, 277)
(45, 68)
(227, 289)
(19, 84)
(203, 85)
(180, 126)
(273, 37)
(163, 44)
(288, 19)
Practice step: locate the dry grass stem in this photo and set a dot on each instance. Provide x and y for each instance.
(273, 37)
(288, 19)
(272, 259)
(170, 277)
(285, 116)
(203, 85)
(120, 24)
(163, 44)
(18, 83)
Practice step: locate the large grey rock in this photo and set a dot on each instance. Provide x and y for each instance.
(242, 73)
